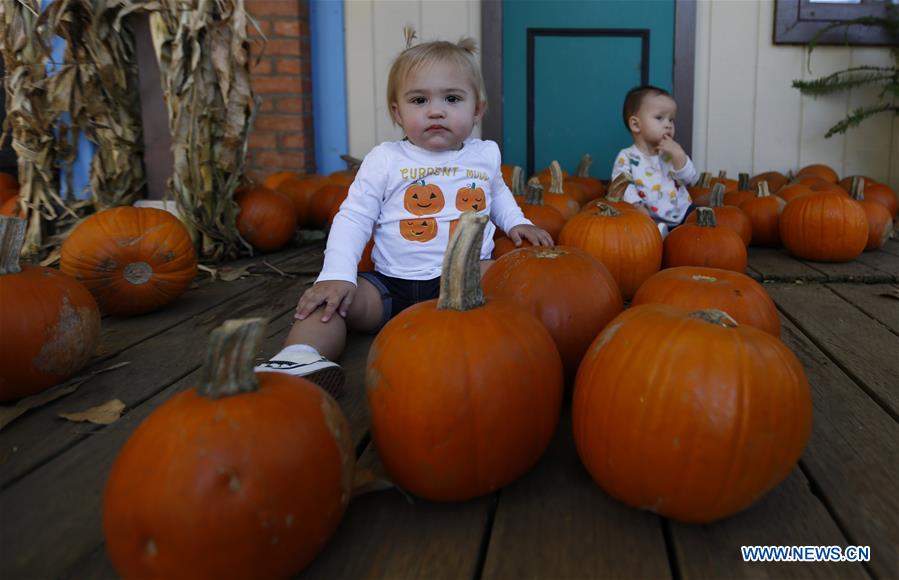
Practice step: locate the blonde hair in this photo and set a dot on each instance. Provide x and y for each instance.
(413, 58)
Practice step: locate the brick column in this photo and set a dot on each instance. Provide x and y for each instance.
(282, 137)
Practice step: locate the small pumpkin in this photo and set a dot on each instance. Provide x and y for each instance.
(267, 218)
(824, 227)
(880, 222)
(541, 280)
(557, 196)
(274, 180)
(819, 170)
(775, 180)
(503, 245)
(244, 476)
(729, 184)
(707, 418)
(464, 394)
(705, 244)
(133, 260)
(701, 190)
(628, 243)
(614, 195)
(884, 195)
(793, 190)
(300, 190)
(741, 193)
(727, 216)
(763, 212)
(592, 187)
(697, 288)
(543, 216)
(50, 323)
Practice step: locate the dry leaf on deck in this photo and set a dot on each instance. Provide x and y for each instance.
(9, 413)
(229, 274)
(366, 481)
(105, 414)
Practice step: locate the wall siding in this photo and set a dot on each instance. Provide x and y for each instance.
(749, 118)
(374, 36)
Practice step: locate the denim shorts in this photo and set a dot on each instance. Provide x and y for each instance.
(397, 294)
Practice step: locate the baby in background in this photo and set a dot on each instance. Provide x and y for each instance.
(657, 166)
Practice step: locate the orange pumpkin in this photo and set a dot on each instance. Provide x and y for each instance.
(592, 187)
(423, 199)
(267, 219)
(8, 182)
(729, 184)
(274, 180)
(470, 198)
(300, 190)
(705, 244)
(696, 288)
(464, 394)
(245, 476)
(533, 278)
(503, 245)
(707, 418)
(325, 203)
(556, 196)
(824, 227)
(741, 193)
(763, 212)
(790, 192)
(884, 195)
(775, 180)
(543, 216)
(727, 216)
(701, 190)
(50, 322)
(419, 229)
(880, 222)
(11, 208)
(628, 243)
(133, 260)
(820, 170)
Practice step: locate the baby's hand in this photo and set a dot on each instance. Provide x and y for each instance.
(531, 233)
(336, 295)
(671, 151)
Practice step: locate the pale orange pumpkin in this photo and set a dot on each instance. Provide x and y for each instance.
(245, 476)
(688, 414)
(133, 260)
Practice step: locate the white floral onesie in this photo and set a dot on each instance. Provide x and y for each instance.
(656, 185)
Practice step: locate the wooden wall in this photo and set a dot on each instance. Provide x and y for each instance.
(374, 36)
(747, 117)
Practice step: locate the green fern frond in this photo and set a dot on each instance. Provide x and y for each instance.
(846, 79)
(859, 115)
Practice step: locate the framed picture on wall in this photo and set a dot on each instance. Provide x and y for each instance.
(797, 21)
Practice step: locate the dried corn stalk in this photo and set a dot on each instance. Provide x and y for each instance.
(28, 116)
(97, 84)
(203, 53)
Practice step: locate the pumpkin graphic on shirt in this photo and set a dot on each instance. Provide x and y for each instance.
(470, 198)
(419, 229)
(423, 199)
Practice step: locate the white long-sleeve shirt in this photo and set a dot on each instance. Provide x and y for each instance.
(414, 197)
(656, 185)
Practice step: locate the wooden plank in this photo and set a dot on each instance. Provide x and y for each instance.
(857, 270)
(777, 265)
(873, 300)
(57, 507)
(154, 364)
(865, 349)
(883, 262)
(852, 455)
(555, 522)
(892, 246)
(790, 515)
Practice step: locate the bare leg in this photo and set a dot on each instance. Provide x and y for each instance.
(329, 338)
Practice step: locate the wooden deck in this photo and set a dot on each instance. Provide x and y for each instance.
(842, 320)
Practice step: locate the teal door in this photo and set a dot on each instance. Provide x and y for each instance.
(567, 65)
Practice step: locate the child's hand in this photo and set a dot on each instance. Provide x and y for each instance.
(669, 149)
(336, 295)
(532, 234)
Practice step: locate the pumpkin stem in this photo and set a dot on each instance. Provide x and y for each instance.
(606, 210)
(716, 198)
(705, 217)
(705, 179)
(714, 316)
(618, 186)
(228, 369)
(12, 236)
(583, 166)
(555, 172)
(517, 178)
(460, 278)
(743, 182)
(857, 189)
(763, 189)
(534, 193)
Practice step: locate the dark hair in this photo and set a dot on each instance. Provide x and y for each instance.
(634, 99)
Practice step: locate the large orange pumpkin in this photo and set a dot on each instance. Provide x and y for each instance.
(133, 260)
(701, 422)
(464, 393)
(542, 281)
(824, 227)
(50, 323)
(628, 243)
(267, 218)
(245, 476)
(705, 244)
(696, 288)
